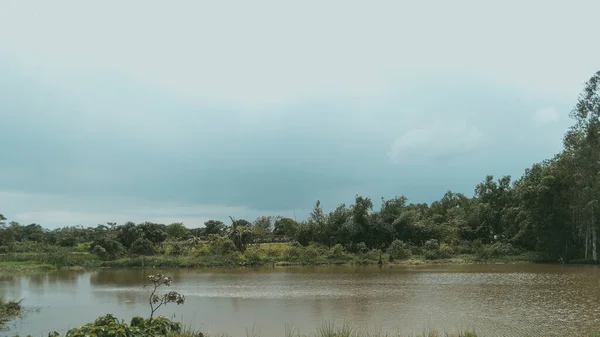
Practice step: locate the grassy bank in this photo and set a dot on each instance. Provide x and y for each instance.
(255, 255)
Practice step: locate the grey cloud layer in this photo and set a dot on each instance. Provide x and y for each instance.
(108, 135)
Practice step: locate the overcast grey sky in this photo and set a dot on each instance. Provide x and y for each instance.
(194, 110)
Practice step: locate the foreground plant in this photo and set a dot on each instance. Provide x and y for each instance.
(110, 326)
(157, 301)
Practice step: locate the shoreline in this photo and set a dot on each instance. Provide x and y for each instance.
(181, 263)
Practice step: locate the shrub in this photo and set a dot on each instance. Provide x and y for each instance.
(27, 247)
(498, 249)
(82, 247)
(110, 326)
(292, 253)
(3, 250)
(432, 244)
(109, 249)
(69, 241)
(272, 252)
(177, 249)
(201, 250)
(372, 255)
(252, 255)
(311, 252)
(433, 251)
(362, 247)
(464, 247)
(60, 257)
(220, 245)
(445, 252)
(142, 246)
(431, 254)
(399, 250)
(416, 250)
(337, 251)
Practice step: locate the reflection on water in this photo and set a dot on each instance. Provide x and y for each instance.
(507, 300)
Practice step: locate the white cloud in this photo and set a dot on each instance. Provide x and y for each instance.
(438, 139)
(545, 116)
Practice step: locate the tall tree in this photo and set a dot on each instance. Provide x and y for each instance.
(214, 227)
(582, 147)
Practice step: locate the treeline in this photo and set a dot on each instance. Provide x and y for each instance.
(553, 210)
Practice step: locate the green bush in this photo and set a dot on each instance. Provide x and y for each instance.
(28, 247)
(468, 247)
(432, 244)
(416, 250)
(272, 252)
(220, 245)
(201, 250)
(311, 252)
(361, 247)
(4, 250)
(431, 254)
(498, 249)
(68, 242)
(399, 250)
(337, 251)
(110, 326)
(61, 257)
(142, 246)
(444, 252)
(107, 248)
(292, 253)
(370, 256)
(177, 249)
(252, 256)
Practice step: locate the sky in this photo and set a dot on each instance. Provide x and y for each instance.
(114, 111)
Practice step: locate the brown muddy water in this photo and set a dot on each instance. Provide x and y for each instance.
(494, 300)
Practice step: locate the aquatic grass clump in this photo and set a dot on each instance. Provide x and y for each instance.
(9, 310)
(330, 330)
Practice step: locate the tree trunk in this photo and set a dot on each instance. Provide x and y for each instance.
(594, 253)
(587, 241)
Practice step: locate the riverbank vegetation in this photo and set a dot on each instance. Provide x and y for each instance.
(549, 214)
(110, 326)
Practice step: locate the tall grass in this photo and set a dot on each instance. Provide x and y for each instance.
(58, 257)
(327, 329)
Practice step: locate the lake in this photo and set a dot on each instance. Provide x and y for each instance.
(494, 300)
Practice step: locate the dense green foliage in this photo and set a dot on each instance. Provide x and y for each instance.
(552, 210)
(109, 326)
